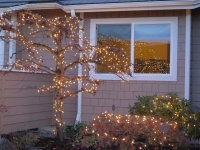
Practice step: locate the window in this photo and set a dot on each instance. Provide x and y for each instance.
(10, 51)
(118, 35)
(151, 45)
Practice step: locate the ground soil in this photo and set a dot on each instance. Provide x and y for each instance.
(50, 144)
(47, 143)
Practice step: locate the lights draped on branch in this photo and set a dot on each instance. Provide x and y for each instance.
(32, 33)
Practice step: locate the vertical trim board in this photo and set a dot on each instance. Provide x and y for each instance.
(2, 50)
(187, 54)
(12, 43)
(80, 69)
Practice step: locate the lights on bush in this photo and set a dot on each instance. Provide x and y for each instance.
(169, 107)
(125, 130)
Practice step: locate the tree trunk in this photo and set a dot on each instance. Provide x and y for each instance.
(58, 116)
(60, 133)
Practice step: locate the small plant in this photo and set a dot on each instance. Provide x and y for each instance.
(89, 141)
(172, 108)
(24, 140)
(70, 132)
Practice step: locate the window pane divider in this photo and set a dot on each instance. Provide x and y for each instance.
(173, 21)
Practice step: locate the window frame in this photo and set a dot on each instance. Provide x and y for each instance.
(12, 47)
(173, 21)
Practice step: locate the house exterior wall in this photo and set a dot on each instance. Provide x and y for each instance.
(28, 109)
(124, 94)
(195, 58)
(70, 104)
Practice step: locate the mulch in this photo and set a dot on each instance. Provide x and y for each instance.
(46, 143)
(50, 143)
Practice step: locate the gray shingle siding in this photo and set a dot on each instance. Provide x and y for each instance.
(195, 58)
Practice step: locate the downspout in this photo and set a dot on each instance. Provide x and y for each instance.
(73, 13)
(2, 33)
(187, 54)
(79, 103)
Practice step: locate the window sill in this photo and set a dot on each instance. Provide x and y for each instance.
(23, 71)
(135, 77)
(141, 77)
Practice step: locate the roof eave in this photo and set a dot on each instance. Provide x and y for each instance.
(130, 6)
(37, 6)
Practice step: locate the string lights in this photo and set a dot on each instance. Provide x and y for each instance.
(128, 131)
(63, 32)
(146, 58)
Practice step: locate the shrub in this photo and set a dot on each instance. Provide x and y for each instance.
(130, 132)
(169, 107)
(24, 140)
(155, 136)
(70, 132)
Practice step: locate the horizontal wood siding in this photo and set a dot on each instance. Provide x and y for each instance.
(124, 94)
(70, 104)
(28, 109)
(23, 102)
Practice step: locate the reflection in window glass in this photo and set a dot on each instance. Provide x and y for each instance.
(152, 48)
(115, 36)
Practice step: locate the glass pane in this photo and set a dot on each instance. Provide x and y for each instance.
(116, 36)
(152, 48)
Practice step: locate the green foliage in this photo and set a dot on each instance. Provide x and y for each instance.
(70, 132)
(24, 140)
(81, 138)
(74, 138)
(169, 107)
(88, 140)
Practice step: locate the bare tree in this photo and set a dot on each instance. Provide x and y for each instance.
(65, 34)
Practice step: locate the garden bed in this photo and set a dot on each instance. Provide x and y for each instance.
(153, 120)
(51, 143)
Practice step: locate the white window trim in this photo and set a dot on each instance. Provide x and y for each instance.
(150, 20)
(11, 50)
(12, 43)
